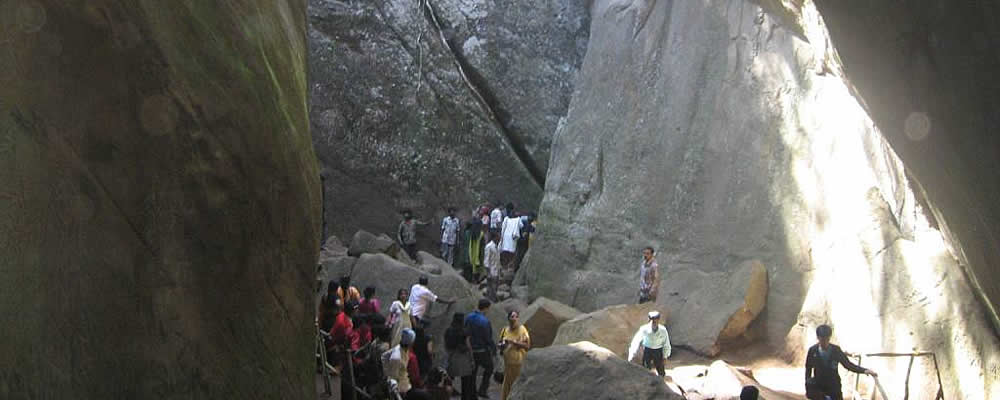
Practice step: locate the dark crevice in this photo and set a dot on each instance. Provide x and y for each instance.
(487, 99)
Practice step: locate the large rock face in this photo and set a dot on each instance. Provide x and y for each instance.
(585, 371)
(160, 200)
(745, 143)
(402, 119)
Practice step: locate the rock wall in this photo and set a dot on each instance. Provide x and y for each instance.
(925, 72)
(425, 104)
(721, 132)
(160, 200)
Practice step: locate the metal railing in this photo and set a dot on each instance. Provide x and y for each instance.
(909, 370)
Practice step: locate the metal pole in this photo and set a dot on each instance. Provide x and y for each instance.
(322, 181)
(322, 356)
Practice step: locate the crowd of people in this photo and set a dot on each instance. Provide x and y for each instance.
(391, 354)
(489, 248)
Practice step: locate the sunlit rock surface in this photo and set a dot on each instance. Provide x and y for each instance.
(720, 133)
(401, 120)
(159, 199)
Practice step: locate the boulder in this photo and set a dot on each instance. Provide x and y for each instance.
(721, 381)
(751, 280)
(585, 371)
(433, 263)
(543, 318)
(716, 308)
(364, 242)
(160, 200)
(389, 275)
(334, 268)
(611, 327)
(333, 247)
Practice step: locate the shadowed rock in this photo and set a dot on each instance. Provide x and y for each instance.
(160, 200)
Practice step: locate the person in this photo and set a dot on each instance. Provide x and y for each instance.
(649, 276)
(491, 258)
(474, 238)
(459, 351)
(423, 349)
(749, 393)
(510, 231)
(413, 368)
(406, 235)
(399, 315)
(439, 384)
(527, 229)
(484, 214)
(480, 332)
(325, 322)
(345, 340)
(363, 328)
(330, 298)
(420, 301)
(514, 344)
(655, 343)
(496, 217)
(822, 375)
(396, 361)
(369, 304)
(348, 292)
(449, 236)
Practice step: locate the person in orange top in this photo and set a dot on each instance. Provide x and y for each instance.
(348, 292)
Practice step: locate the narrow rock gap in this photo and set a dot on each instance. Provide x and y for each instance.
(481, 91)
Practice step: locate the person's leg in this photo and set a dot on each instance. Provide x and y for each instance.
(469, 387)
(485, 360)
(647, 357)
(444, 251)
(510, 374)
(659, 364)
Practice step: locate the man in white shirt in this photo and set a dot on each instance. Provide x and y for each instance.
(491, 260)
(420, 301)
(655, 343)
(449, 236)
(510, 231)
(496, 217)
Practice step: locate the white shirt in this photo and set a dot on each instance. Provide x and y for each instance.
(511, 231)
(420, 300)
(496, 217)
(449, 230)
(491, 259)
(649, 339)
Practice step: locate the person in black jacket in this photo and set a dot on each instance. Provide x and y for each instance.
(822, 374)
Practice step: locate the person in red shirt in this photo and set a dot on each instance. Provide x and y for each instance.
(344, 338)
(413, 370)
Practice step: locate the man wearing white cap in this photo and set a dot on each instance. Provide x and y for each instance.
(655, 343)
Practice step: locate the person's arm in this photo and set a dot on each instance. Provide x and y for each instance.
(634, 347)
(666, 343)
(655, 290)
(809, 366)
(846, 362)
(399, 234)
(525, 342)
(468, 343)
